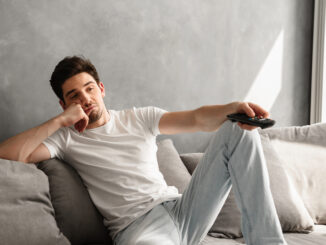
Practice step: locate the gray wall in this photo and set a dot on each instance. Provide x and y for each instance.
(176, 55)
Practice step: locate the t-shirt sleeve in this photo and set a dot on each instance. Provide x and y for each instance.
(151, 116)
(56, 143)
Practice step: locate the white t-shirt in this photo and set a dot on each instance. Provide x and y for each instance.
(117, 163)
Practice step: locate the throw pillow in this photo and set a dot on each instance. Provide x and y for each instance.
(191, 160)
(26, 212)
(290, 208)
(76, 215)
(174, 171)
(303, 150)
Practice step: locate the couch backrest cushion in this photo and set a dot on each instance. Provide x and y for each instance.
(26, 212)
(174, 171)
(76, 215)
(303, 153)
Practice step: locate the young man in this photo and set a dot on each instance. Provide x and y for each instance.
(114, 152)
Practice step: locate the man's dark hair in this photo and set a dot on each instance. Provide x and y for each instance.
(67, 68)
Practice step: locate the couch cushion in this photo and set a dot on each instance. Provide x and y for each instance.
(174, 171)
(191, 160)
(290, 208)
(26, 212)
(303, 151)
(208, 240)
(317, 237)
(75, 213)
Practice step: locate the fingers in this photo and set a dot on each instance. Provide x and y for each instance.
(248, 110)
(246, 126)
(79, 117)
(84, 123)
(252, 110)
(75, 115)
(259, 111)
(81, 125)
(78, 126)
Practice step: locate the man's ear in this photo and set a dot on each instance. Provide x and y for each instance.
(101, 86)
(63, 105)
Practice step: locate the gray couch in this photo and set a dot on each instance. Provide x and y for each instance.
(49, 204)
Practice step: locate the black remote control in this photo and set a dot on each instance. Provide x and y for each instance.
(255, 121)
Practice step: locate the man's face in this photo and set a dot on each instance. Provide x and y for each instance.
(83, 89)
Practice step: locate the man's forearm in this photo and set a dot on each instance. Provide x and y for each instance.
(19, 147)
(211, 117)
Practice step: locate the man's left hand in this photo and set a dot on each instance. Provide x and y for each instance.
(251, 110)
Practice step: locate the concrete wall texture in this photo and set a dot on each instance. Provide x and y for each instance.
(177, 55)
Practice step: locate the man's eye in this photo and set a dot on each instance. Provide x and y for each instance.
(74, 96)
(90, 88)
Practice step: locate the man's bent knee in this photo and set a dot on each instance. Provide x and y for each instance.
(230, 135)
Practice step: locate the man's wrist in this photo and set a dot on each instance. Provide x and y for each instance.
(231, 108)
(59, 121)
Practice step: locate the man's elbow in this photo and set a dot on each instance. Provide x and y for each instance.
(27, 159)
(11, 157)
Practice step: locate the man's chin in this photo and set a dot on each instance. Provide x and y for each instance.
(94, 117)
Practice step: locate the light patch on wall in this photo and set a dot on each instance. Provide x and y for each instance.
(268, 82)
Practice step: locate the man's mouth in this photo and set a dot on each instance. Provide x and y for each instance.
(89, 109)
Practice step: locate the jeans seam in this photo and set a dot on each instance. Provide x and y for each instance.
(174, 222)
(244, 210)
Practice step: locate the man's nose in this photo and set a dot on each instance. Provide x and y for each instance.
(85, 99)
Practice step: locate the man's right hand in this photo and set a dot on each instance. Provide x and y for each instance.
(74, 115)
(27, 146)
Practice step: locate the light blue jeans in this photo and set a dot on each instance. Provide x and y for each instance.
(234, 157)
